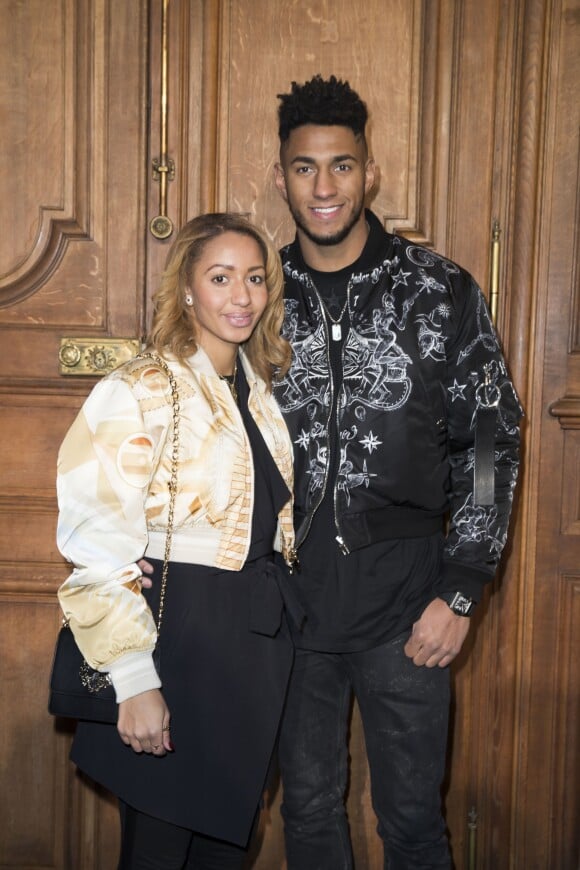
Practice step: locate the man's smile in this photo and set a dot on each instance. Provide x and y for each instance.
(325, 212)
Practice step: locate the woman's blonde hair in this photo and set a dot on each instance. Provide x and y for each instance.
(267, 351)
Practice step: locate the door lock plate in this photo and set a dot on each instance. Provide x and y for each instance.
(93, 357)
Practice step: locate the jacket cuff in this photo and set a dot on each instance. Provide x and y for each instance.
(133, 674)
(458, 577)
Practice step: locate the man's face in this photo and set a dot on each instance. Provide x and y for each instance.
(324, 174)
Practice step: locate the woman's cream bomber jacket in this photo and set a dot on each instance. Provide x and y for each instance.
(114, 467)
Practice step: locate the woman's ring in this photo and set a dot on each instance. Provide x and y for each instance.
(166, 728)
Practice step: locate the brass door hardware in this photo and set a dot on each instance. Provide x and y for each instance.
(95, 356)
(494, 289)
(161, 226)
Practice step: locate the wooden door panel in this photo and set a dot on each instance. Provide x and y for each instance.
(297, 41)
(547, 771)
(73, 254)
(36, 95)
(34, 758)
(71, 262)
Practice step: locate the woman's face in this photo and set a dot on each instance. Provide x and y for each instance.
(228, 286)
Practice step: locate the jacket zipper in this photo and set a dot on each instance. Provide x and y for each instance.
(338, 537)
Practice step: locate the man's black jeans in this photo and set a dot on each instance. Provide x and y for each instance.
(404, 710)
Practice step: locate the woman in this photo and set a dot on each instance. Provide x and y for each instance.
(190, 753)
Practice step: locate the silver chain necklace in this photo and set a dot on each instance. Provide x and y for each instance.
(336, 327)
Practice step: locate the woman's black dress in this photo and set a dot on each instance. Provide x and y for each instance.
(225, 660)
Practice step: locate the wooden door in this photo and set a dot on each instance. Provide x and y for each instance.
(545, 670)
(474, 118)
(73, 193)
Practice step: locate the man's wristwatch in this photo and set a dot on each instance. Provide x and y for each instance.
(458, 603)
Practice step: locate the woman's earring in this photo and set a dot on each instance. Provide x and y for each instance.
(189, 300)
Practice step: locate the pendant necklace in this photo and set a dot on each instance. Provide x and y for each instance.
(336, 326)
(231, 382)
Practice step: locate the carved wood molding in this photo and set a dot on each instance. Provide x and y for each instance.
(434, 48)
(39, 580)
(39, 387)
(37, 504)
(66, 216)
(213, 14)
(43, 260)
(567, 411)
(527, 155)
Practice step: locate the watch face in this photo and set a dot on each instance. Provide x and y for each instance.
(461, 605)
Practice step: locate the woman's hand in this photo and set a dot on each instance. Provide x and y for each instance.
(143, 723)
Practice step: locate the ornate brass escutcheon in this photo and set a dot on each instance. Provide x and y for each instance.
(161, 227)
(91, 357)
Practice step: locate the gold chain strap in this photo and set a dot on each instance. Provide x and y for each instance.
(172, 480)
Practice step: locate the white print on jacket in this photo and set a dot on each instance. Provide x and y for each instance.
(475, 523)
(378, 374)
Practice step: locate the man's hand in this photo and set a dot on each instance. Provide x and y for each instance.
(147, 568)
(143, 723)
(437, 636)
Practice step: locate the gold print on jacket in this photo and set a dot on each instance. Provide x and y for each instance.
(155, 382)
(134, 459)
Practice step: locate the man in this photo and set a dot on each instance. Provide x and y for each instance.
(403, 416)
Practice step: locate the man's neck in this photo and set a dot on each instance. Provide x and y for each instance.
(332, 258)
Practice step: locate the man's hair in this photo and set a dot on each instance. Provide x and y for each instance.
(327, 103)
